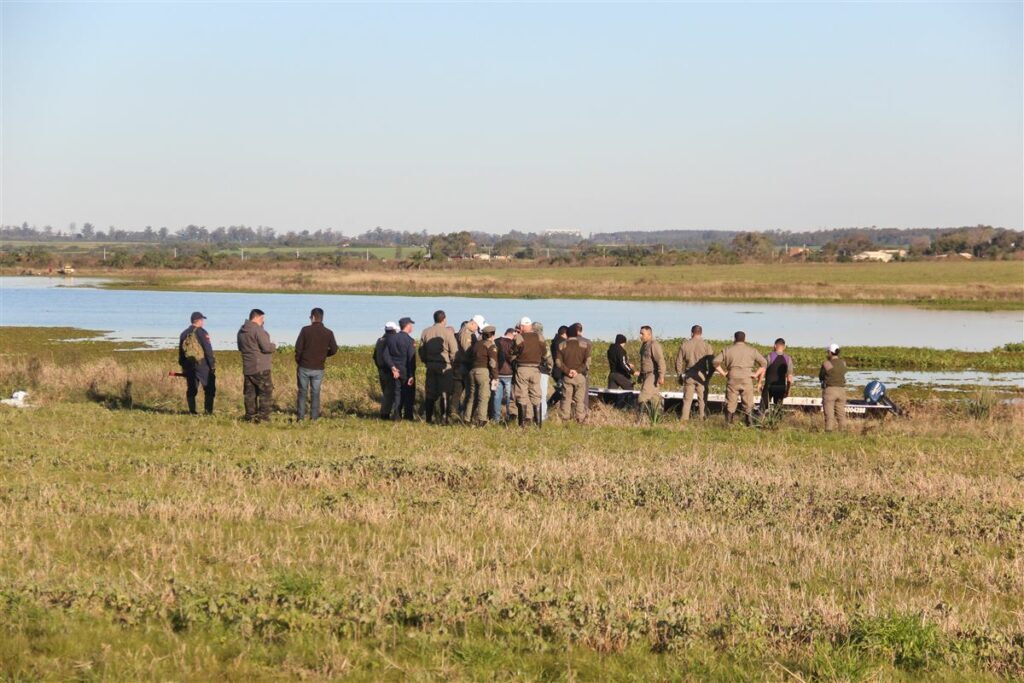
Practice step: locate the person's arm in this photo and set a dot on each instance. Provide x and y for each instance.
(410, 362)
(548, 360)
(717, 362)
(390, 362)
(332, 345)
(300, 344)
(451, 347)
(263, 341)
(204, 339)
(658, 356)
(559, 358)
(181, 351)
(823, 372)
(680, 362)
(790, 376)
(492, 363)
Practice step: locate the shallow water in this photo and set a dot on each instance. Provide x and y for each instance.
(157, 318)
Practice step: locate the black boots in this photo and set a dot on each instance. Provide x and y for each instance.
(520, 409)
(428, 412)
(538, 417)
(729, 417)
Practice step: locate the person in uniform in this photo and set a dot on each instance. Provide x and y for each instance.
(528, 352)
(387, 385)
(199, 368)
(652, 369)
(438, 349)
(573, 364)
(737, 363)
(468, 333)
(483, 375)
(400, 358)
(833, 389)
(692, 352)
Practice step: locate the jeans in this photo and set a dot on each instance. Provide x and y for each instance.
(502, 397)
(309, 382)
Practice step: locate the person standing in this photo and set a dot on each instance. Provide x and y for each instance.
(400, 358)
(314, 345)
(195, 356)
(692, 353)
(546, 367)
(468, 333)
(652, 369)
(833, 389)
(528, 352)
(483, 358)
(257, 355)
(438, 349)
(560, 336)
(502, 396)
(778, 376)
(573, 362)
(387, 384)
(737, 363)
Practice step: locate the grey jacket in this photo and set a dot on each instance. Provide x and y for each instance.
(256, 348)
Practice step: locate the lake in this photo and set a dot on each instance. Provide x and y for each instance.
(157, 318)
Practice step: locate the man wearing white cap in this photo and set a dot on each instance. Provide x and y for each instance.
(529, 351)
(833, 389)
(387, 384)
(468, 333)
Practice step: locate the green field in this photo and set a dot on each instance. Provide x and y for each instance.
(141, 543)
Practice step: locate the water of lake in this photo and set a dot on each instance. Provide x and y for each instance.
(157, 317)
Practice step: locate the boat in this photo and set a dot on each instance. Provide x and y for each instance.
(673, 401)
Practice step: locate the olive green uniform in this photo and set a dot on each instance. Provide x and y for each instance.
(528, 351)
(437, 351)
(833, 392)
(483, 368)
(573, 362)
(690, 353)
(652, 372)
(460, 367)
(739, 361)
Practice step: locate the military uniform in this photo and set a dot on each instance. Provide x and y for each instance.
(483, 369)
(387, 386)
(833, 392)
(438, 349)
(691, 352)
(739, 361)
(652, 372)
(460, 368)
(529, 351)
(573, 364)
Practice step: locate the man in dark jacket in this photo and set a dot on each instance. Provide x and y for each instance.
(257, 353)
(315, 344)
(502, 396)
(387, 384)
(400, 358)
(198, 370)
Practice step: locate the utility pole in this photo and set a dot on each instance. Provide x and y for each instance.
(104, 253)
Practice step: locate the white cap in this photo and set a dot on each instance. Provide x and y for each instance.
(391, 325)
(479, 320)
(832, 348)
(525, 321)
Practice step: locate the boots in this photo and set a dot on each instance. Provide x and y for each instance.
(444, 410)
(748, 419)
(729, 417)
(521, 413)
(538, 417)
(428, 412)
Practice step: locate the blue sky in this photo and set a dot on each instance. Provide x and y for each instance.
(500, 116)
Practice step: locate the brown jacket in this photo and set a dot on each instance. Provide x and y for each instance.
(484, 354)
(464, 341)
(573, 354)
(438, 347)
(314, 345)
(529, 349)
(690, 353)
(652, 360)
(739, 361)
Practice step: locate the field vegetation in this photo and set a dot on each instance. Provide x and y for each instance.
(141, 543)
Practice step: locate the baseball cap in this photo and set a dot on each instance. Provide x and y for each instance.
(405, 321)
(488, 328)
(479, 320)
(525, 321)
(391, 325)
(832, 348)
(196, 315)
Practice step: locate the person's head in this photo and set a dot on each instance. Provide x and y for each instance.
(563, 332)
(780, 345)
(646, 333)
(739, 337)
(488, 332)
(390, 327)
(538, 327)
(510, 332)
(833, 350)
(439, 317)
(620, 339)
(317, 315)
(476, 323)
(578, 327)
(525, 325)
(406, 325)
(571, 332)
(257, 316)
(197, 319)
(696, 331)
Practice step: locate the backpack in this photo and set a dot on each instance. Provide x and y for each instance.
(192, 348)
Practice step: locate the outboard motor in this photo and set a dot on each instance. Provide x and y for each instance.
(874, 393)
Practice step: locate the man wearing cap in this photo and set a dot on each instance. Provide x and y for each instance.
(483, 376)
(652, 370)
(195, 356)
(400, 358)
(692, 352)
(438, 349)
(833, 389)
(737, 363)
(315, 344)
(387, 384)
(573, 363)
(257, 355)
(468, 333)
(528, 352)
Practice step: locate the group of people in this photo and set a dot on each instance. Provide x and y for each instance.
(477, 377)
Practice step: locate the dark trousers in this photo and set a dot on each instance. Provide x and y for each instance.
(209, 391)
(617, 380)
(259, 396)
(403, 398)
(387, 392)
(773, 393)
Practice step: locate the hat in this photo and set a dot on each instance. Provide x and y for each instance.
(391, 325)
(196, 315)
(525, 321)
(489, 328)
(833, 348)
(479, 320)
(405, 321)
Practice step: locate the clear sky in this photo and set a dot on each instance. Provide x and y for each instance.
(500, 116)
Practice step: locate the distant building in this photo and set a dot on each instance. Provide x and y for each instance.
(882, 255)
(563, 233)
(797, 252)
(482, 257)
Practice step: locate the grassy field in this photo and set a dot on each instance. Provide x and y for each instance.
(141, 543)
(963, 285)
